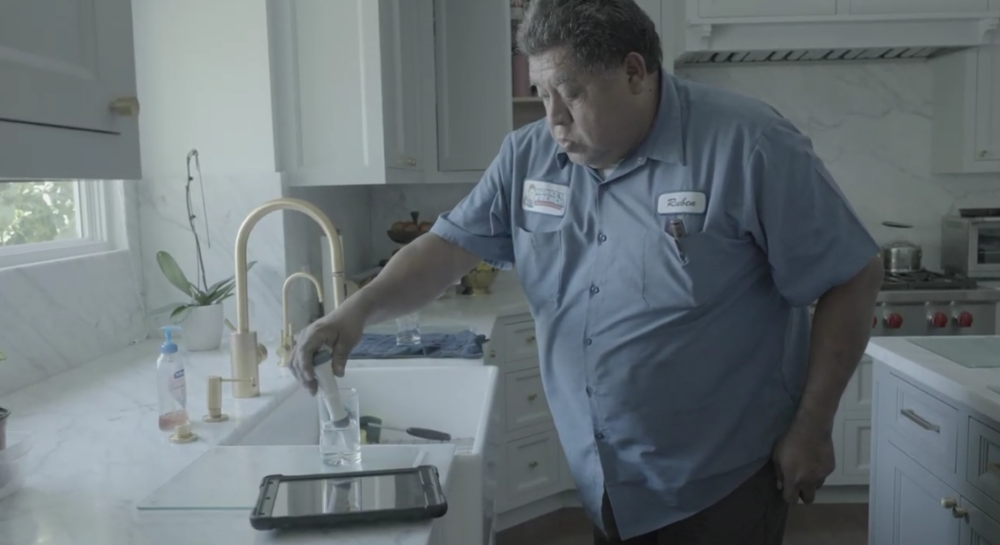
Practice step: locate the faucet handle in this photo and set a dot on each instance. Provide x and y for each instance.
(261, 349)
(214, 401)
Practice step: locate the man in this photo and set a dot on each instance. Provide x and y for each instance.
(669, 237)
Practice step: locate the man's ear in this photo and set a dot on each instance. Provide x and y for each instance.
(635, 69)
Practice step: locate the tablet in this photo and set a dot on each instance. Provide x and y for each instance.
(335, 499)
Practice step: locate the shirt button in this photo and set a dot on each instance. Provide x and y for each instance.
(588, 342)
(599, 436)
(590, 391)
(602, 237)
(641, 161)
(595, 290)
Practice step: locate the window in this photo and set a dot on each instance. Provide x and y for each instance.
(47, 220)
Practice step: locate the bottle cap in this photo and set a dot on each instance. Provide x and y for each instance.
(168, 346)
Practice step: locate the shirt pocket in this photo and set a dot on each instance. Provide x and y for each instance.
(689, 272)
(539, 263)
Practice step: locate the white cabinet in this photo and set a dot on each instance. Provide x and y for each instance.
(852, 429)
(68, 105)
(348, 92)
(899, 7)
(966, 128)
(763, 8)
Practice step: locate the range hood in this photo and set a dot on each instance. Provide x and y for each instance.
(706, 42)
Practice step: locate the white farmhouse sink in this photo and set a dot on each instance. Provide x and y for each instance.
(460, 401)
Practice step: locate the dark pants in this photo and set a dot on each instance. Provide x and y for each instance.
(753, 514)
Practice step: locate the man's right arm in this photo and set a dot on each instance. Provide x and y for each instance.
(414, 277)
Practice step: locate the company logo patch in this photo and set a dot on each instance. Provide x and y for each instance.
(684, 202)
(544, 197)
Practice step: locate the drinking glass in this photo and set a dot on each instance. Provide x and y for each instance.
(408, 330)
(340, 445)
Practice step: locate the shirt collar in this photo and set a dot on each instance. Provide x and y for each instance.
(665, 141)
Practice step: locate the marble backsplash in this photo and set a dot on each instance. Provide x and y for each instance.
(228, 199)
(870, 123)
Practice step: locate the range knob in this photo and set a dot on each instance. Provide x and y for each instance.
(894, 321)
(938, 319)
(963, 319)
(874, 322)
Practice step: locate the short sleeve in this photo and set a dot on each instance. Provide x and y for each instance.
(480, 223)
(813, 239)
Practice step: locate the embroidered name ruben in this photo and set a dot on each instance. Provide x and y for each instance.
(684, 202)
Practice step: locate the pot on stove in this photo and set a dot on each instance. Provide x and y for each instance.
(901, 256)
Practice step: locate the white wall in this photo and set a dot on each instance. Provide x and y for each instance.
(204, 79)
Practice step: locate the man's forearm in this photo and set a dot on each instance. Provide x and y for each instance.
(414, 277)
(841, 328)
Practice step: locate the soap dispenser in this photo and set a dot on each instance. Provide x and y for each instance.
(170, 383)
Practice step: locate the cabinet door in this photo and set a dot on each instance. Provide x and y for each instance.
(766, 8)
(898, 7)
(987, 137)
(472, 61)
(909, 505)
(62, 64)
(979, 528)
(401, 93)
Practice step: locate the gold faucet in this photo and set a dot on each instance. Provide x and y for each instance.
(244, 357)
(287, 342)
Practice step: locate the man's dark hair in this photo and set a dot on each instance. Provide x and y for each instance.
(600, 33)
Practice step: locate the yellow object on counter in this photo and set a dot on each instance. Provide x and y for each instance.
(364, 437)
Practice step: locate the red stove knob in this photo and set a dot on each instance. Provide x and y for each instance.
(963, 319)
(894, 321)
(874, 322)
(938, 319)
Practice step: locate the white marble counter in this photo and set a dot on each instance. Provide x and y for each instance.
(967, 386)
(97, 450)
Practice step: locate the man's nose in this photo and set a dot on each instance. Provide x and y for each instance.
(557, 113)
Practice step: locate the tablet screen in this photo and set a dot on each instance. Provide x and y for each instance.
(333, 494)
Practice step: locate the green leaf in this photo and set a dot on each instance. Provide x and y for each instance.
(220, 283)
(222, 294)
(2, 356)
(172, 271)
(180, 313)
(164, 308)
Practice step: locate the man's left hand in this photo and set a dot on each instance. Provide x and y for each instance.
(803, 459)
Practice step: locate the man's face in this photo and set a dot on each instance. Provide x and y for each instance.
(589, 115)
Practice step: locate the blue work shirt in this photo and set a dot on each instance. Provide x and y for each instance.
(671, 365)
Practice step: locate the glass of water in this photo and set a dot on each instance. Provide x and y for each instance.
(408, 330)
(340, 442)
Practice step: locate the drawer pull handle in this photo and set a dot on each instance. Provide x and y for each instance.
(920, 421)
(949, 503)
(532, 397)
(531, 339)
(532, 465)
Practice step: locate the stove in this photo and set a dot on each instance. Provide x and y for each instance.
(927, 303)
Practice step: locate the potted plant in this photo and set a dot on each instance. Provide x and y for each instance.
(201, 316)
(4, 413)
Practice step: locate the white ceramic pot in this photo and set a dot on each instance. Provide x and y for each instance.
(203, 328)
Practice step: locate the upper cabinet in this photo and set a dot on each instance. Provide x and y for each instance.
(764, 8)
(966, 127)
(891, 7)
(347, 89)
(68, 104)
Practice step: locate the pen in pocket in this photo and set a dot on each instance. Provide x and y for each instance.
(678, 231)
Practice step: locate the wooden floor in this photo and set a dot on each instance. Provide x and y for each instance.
(821, 524)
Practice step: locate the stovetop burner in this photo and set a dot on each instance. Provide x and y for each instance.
(926, 280)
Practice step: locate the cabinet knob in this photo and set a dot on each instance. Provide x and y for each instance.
(532, 465)
(125, 106)
(959, 512)
(410, 162)
(983, 154)
(530, 339)
(532, 397)
(949, 503)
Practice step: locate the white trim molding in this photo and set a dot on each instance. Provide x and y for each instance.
(101, 219)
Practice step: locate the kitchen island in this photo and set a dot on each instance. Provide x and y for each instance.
(96, 450)
(935, 445)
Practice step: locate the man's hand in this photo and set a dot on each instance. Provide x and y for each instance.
(803, 459)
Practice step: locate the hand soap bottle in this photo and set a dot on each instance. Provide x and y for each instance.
(170, 385)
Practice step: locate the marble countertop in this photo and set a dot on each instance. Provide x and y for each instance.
(967, 386)
(96, 448)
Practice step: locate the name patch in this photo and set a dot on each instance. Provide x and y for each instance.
(544, 197)
(684, 202)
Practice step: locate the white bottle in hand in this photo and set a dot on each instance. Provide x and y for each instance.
(170, 385)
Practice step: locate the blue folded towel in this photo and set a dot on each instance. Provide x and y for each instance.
(464, 345)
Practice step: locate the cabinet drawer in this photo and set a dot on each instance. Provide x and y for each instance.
(532, 468)
(983, 470)
(928, 425)
(519, 341)
(525, 400)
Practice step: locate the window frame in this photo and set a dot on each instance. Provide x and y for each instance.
(96, 221)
